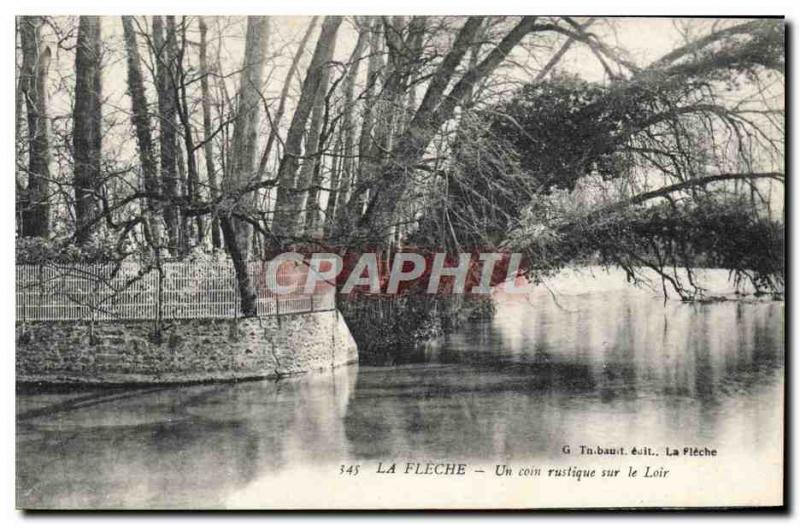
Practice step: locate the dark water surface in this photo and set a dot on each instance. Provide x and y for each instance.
(595, 368)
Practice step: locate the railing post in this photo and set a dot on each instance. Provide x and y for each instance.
(23, 297)
(159, 310)
(236, 297)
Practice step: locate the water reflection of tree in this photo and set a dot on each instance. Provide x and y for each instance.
(622, 367)
(185, 446)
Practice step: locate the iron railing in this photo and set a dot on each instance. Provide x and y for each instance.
(179, 290)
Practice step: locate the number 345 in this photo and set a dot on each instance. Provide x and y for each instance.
(351, 470)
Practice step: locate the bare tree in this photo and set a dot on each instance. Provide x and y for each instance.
(192, 179)
(164, 43)
(340, 186)
(208, 144)
(139, 112)
(87, 129)
(35, 200)
(436, 107)
(141, 122)
(288, 202)
(366, 165)
(311, 170)
(287, 84)
(243, 155)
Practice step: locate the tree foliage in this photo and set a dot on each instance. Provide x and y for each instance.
(671, 165)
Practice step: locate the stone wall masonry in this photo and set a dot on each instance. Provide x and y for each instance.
(121, 352)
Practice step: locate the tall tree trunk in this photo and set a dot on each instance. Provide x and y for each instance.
(33, 79)
(139, 112)
(225, 113)
(184, 224)
(403, 53)
(236, 231)
(337, 174)
(245, 127)
(165, 52)
(193, 179)
(366, 165)
(435, 109)
(239, 258)
(404, 47)
(311, 170)
(341, 186)
(289, 195)
(87, 119)
(141, 122)
(312, 204)
(208, 145)
(287, 84)
(19, 101)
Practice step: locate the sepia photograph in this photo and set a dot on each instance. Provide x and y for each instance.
(379, 262)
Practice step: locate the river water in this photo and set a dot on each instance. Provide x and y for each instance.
(594, 366)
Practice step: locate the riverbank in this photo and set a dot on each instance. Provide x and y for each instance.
(390, 330)
(187, 351)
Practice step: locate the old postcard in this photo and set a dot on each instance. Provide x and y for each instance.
(399, 262)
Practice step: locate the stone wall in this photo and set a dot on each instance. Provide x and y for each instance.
(118, 352)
